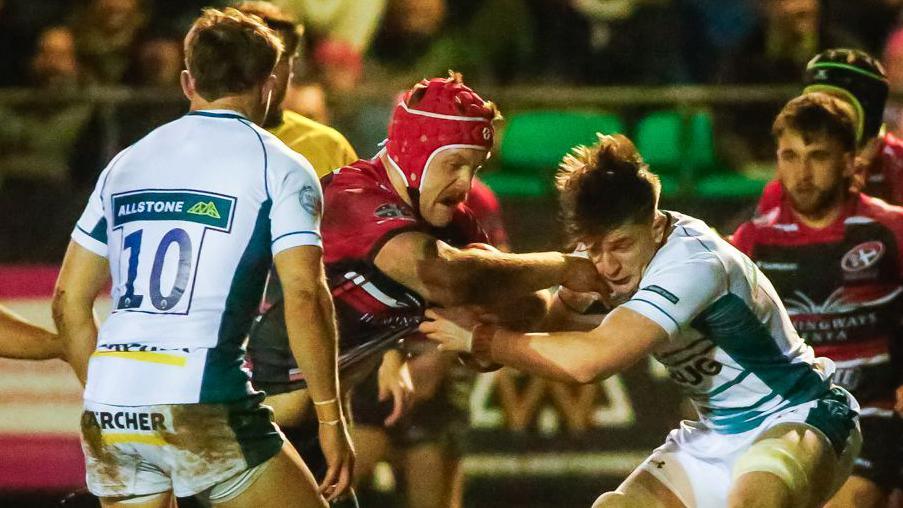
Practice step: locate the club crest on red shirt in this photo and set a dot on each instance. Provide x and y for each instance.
(862, 256)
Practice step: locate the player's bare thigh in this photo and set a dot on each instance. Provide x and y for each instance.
(859, 492)
(640, 490)
(371, 446)
(285, 483)
(811, 475)
(290, 408)
(431, 472)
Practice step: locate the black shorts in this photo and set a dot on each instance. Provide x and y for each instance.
(442, 420)
(881, 459)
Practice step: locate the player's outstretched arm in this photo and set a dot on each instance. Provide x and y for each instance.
(623, 338)
(82, 276)
(310, 322)
(22, 340)
(448, 276)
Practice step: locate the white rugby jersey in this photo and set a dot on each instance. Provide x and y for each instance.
(732, 347)
(189, 218)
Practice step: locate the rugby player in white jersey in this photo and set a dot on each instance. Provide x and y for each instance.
(187, 222)
(773, 430)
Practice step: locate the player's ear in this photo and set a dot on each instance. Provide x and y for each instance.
(267, 89)
(659, 225)
(187, 83)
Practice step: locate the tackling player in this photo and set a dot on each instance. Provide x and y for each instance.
(22, 340)
(187, 222)
(773, 431)
(395, 236)
(859, 79)
(835, 259)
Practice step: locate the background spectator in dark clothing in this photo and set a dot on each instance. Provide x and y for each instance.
(791, 33)
(893, 64)
(868, 22)
(107, 35)
(37, 141)
(428, 37)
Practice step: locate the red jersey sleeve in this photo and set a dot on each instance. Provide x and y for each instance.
(744, 238)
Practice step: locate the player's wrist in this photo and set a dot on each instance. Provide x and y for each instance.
(328, 410)
(481, 341)
(479, 351)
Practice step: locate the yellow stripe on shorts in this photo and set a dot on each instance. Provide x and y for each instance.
(122, 437)
(146, 356)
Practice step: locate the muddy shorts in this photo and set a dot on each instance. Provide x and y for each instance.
(185, 448)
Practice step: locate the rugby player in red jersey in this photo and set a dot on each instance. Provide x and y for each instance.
(427, 443)
(859, 79)
(396, 234)
(835, 258)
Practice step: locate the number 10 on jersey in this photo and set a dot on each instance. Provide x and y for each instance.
(163, 231)
(174, 238)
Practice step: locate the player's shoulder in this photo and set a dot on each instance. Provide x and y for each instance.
(870, 208)
(359, 188)
(279, 156)
(893, 144)
(691, 242)
(299, 126)
(361, 178)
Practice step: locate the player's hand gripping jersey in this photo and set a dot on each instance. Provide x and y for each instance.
(731, 346)
(842, 287)
(362, 213)
(189, 258)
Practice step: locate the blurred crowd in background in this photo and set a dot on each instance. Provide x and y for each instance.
(66, 48)
(60, 43)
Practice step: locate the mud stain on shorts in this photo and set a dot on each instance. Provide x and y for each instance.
(204, 446)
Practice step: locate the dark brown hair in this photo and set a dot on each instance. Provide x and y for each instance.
(228, 52)
(818, 114)
(605, 186)
(278, 20)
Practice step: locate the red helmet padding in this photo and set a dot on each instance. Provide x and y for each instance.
(414, 137)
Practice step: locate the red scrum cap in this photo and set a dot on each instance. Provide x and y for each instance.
(436, 115)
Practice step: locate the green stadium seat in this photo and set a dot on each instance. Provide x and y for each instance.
(714, 181)
(659, 138)
(537, 140)
(533, 144)
(517, 185)
(728, 185)
(701, 143)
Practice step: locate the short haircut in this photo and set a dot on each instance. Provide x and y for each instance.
(228, 53)
(285, 25)
(605, 186)
(817, 114)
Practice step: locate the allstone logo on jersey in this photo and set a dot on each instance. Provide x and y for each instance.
(862, 256)
(213, 210)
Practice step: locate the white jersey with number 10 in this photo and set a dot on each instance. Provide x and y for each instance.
(189, 218)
